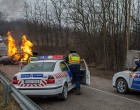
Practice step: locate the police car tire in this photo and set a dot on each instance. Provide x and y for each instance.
(119, 81)
(64, 94)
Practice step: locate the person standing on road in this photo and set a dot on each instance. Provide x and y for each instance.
(73, 59)
(137, 62)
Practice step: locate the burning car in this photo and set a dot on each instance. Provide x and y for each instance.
(18, 54)
(7, 60)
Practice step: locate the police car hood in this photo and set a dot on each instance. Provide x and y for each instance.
(124, 72)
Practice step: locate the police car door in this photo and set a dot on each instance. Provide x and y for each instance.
(135, 80)
(84, 73)
(64, 68)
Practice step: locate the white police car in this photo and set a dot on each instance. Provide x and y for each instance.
(48, 77)
(126, 80)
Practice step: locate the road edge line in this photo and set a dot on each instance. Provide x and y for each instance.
(114, 94)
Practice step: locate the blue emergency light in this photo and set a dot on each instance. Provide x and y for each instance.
(50, 57)
(42, 57)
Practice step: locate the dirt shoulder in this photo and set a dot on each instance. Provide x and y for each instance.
(9, 70)
(101, 73)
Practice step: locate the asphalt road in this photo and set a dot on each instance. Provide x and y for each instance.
(3, 48)
(99, 96)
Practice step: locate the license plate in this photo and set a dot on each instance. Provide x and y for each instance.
(31, 81)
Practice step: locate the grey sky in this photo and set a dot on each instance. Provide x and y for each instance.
(13, 7)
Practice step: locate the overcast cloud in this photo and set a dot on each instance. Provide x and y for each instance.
(13, 7)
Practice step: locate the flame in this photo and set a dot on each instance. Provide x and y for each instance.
(26, 48)
(24, 53)
(12, 49)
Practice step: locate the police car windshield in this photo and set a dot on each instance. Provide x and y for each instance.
(39, 67)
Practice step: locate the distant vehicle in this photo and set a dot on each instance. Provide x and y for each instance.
(49, 76)
(1, 39)
(126, 80)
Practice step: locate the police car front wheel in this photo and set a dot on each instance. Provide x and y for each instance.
(122, 86)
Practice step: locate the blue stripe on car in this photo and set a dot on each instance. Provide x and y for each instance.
(37, 75)
(136, 81)
(25, 75)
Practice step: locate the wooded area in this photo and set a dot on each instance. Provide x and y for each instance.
(100, 30)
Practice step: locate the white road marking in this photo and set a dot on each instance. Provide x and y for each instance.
(113, 94)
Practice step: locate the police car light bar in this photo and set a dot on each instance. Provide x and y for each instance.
(50, 57)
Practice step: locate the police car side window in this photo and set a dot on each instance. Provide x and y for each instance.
(63, 66)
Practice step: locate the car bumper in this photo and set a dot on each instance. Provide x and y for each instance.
(114, 81)
(41, 91)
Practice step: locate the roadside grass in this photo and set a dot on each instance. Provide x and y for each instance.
(12, 104)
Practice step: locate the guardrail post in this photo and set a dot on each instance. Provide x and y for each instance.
(24, 102)
(5, 94)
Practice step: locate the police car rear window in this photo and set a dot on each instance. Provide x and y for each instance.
(40, 67)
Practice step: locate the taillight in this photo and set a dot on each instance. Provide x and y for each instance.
(51, 79)
(15, 81)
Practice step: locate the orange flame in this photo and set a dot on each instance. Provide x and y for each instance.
(26, 48)
(12, 47)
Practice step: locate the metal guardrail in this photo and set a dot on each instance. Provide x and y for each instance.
(24, 102)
